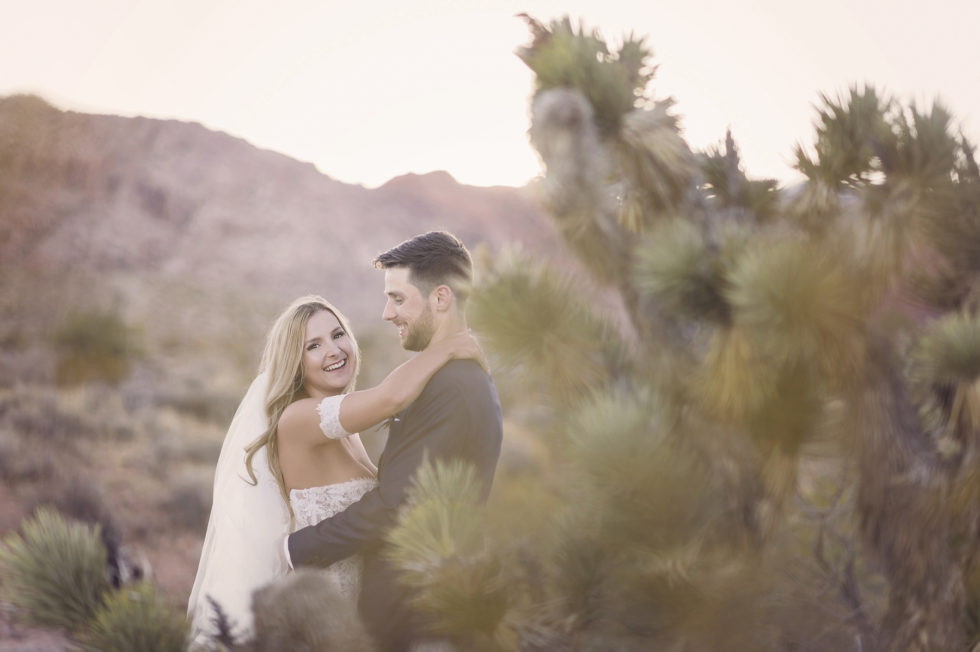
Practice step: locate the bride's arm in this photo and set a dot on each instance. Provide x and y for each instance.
(364, 408)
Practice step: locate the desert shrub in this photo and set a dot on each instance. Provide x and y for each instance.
(202, 451)
(189, 503)
(306, 612)
(94, 345)
(40, 414)
(80, 498)
(55, 573)
(46, 433)
(27, 363)
(105, 409)
(176, 438)
(202, 405)
(136, 619)
(24, 461)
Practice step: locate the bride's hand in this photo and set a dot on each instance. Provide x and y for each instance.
(465, 346)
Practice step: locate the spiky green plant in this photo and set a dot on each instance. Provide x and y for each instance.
(724, 356)
(948, 358)
(440, 545)
(531, 314)
(950, 349)
(136, 619)
(675, 265)
(565, 57)
(731, 190)
(55, 572)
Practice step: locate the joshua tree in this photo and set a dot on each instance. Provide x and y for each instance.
(762, 404)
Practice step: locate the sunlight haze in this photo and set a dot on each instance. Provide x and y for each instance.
(371, 90)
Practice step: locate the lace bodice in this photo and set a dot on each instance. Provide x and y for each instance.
(310, 506)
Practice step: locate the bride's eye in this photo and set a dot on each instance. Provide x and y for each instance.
(312, 346)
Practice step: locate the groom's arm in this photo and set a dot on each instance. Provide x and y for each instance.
(441, 426)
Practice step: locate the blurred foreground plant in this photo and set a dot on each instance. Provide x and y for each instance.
(136, 619)
(58, 573)
(55, 573)
(441, 546)
(761, 403)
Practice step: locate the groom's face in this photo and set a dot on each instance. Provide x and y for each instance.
(408, 309)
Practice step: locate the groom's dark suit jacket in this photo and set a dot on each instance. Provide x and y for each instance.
(457, 416)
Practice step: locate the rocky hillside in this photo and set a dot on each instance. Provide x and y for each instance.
(156, 253)
(166, 199)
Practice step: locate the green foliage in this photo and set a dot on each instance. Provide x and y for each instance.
(563, 57)
(922, 149)
(441, 518)
(852, 134)
(656, 164)
(727, 184)
(949, 352)
(648, 491)
(439, 543)
(531, 315)
(798, 301)
(94, 345)
(676, 266)
(136, 619)
(744, 455)
(55, 573)
(948, 359)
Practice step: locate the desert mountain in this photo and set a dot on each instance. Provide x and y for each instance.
(116, 196)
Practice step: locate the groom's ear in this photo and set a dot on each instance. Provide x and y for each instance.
(442, 297)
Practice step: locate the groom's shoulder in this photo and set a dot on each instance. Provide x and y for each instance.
(465, 377)
(463, 387)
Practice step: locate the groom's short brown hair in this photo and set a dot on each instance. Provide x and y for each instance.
(433, 259)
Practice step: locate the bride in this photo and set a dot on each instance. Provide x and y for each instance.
(289, 459)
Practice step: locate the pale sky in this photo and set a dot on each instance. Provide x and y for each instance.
(367, 90)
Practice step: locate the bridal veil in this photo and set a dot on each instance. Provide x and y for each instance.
(243, 545)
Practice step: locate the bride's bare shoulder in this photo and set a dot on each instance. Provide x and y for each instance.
(300, 421)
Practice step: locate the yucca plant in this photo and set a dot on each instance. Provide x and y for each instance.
(761, 405)
(55, 572)
(440, 545)
(136, 618)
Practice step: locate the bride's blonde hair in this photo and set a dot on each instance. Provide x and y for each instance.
(283, 359)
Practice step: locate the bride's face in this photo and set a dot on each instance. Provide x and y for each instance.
(328, 356)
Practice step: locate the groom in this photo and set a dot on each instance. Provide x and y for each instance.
(457, 416)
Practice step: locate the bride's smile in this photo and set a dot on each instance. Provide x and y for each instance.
(335, 366)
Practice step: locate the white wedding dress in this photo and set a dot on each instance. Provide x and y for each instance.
(310, 506)
(243, 548)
